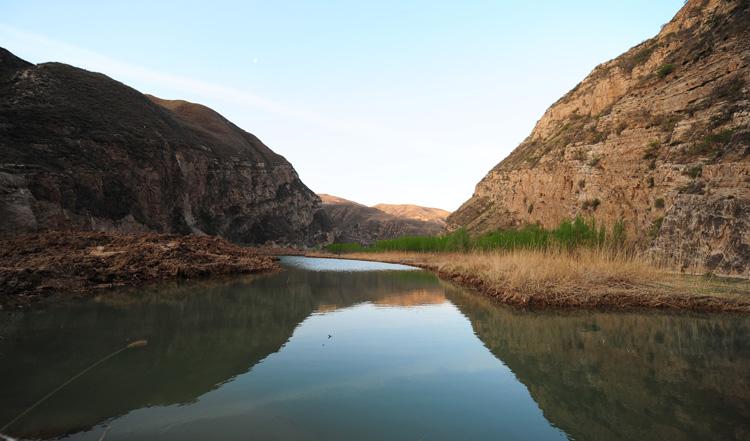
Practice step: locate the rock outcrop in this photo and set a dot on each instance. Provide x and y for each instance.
(658, 137)
(81, 151)
(354, 222)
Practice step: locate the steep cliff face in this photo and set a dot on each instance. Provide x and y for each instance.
(82, 151)
(658, 137)
(354, 222)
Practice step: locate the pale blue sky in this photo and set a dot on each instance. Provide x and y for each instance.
(384, 101)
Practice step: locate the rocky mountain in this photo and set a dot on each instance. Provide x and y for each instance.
(409, 211)
(79, 150)
(658, 137)
(354, 222)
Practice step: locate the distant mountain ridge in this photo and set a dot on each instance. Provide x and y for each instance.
(355, 222)
(79, 150)
(416, 212)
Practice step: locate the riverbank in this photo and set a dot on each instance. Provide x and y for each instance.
(593, 279)
(34, 265)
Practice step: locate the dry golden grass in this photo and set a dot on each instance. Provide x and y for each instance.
(588, 278)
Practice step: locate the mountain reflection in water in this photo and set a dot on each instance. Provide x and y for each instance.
(321, 352)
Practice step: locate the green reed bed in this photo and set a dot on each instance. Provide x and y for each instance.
(568, 234)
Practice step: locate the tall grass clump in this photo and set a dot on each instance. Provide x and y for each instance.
(569, 235)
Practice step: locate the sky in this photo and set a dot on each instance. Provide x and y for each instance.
(391, 101)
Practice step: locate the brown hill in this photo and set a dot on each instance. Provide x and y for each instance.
(354, 222)
(658, 137)
(79, 150)
(408, 211)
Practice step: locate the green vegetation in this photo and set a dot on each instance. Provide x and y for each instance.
(653, 231)
(665, 70)
(667, 122)
(652, 150)
(595, 160)
(722, 137)
(729, 90)
(659, 203)
(568, 235)
(693, 187)
(694, 171)
(712, 143)
(628, 63)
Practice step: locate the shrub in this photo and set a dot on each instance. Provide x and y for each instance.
(664, 70)
(638, 58)
(339, 248)
(659, 203)
(694, 187)
(594, 161)
(712, 142)
(592, 204)
(729, 90)
(618, 233)
(579, 155)
(666, 122)
(620, 128)
(652, 150)
(650, 182)
(653, 231)
(694, 171)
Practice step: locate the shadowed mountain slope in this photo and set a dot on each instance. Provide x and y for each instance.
(82, 151)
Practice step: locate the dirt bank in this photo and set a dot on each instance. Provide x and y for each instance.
(584, 280)
(32, 265)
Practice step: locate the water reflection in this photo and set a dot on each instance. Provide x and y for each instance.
(359, 354)
(604, 376)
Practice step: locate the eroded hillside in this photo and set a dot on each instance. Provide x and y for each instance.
(658, 137)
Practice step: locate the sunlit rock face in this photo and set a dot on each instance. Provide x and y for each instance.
(658, 137)
(79, 150)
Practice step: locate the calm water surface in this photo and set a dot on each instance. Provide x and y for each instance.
(344, 350)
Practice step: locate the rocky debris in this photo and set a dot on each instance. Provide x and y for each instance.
(78, 262)
(655, 134)
(79, 150)
(354, 222)
(710, 234)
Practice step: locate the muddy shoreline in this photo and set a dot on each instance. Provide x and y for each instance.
(669, 295)
(33, 266)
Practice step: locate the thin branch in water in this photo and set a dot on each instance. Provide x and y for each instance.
(104, 434)
(135, 344)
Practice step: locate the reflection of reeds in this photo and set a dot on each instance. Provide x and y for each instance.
(585, 277)
(134, 344)
(416, 297)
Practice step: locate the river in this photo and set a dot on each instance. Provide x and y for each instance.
(346, 350)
